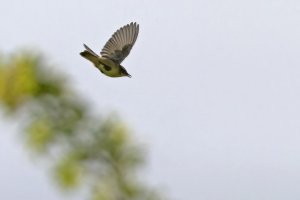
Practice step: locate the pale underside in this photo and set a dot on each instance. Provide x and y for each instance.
(114, 69)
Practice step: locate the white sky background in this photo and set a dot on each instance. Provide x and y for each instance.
(214, 94)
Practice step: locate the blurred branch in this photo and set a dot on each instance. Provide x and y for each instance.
(86, 150)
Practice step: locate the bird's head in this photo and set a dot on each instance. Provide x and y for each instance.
(124, 72)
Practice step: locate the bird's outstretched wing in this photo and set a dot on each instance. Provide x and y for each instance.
(119, 45)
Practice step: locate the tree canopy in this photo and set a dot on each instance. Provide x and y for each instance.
(86, 150)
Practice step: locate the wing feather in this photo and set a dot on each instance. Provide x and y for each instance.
(121, 42)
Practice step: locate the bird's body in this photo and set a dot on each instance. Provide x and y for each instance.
(114, 52)
(105, 65)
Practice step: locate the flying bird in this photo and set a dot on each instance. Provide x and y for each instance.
(116, 49)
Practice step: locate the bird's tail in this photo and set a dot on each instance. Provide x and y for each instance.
(89, 54)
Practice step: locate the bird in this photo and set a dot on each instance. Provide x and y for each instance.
(116, 49)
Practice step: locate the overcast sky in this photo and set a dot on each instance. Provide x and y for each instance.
(214, 92)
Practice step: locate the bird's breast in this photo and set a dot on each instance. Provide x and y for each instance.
(109, 68)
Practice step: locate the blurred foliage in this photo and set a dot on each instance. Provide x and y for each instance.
(85, 150)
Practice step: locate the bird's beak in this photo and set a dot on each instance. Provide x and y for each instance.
(128, 75)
